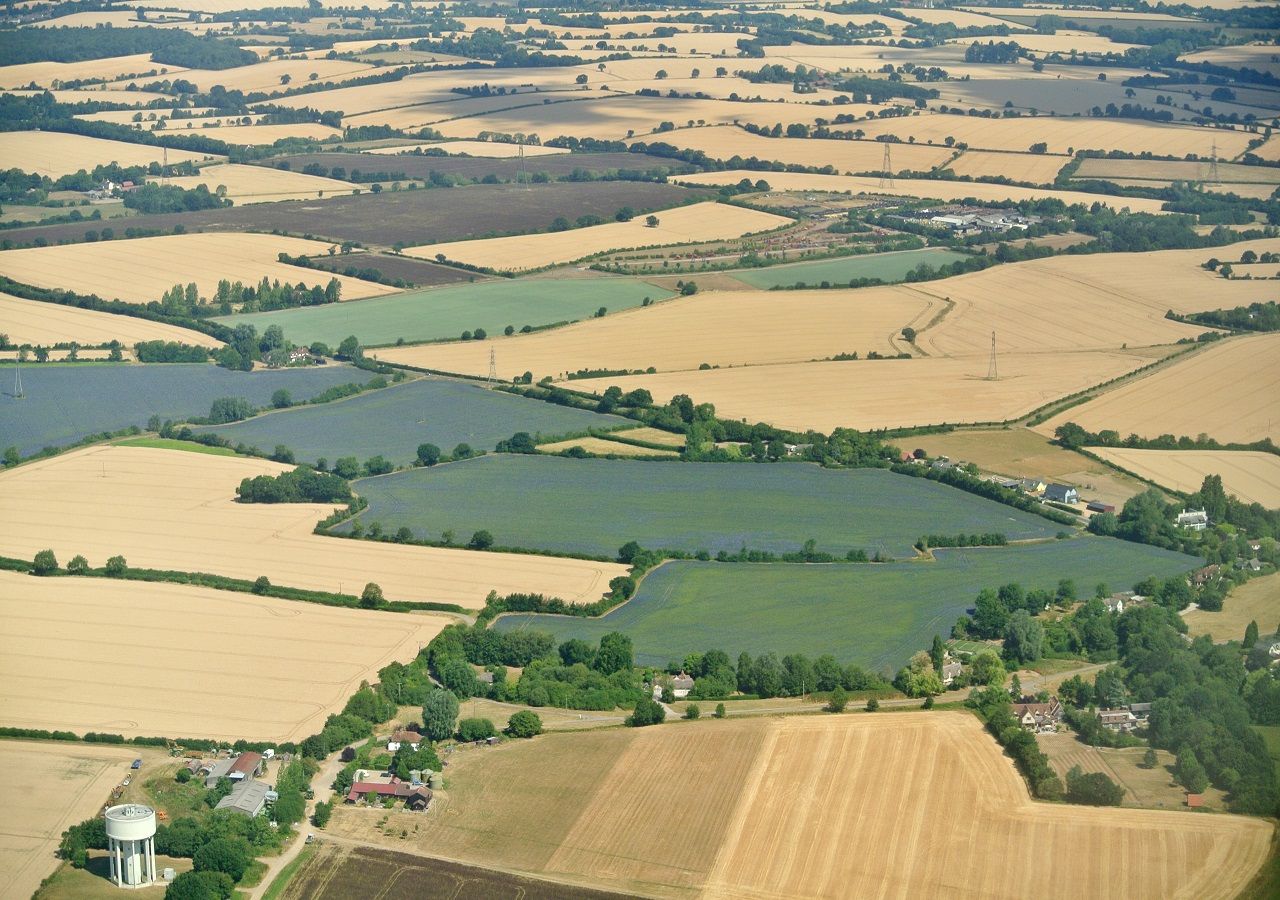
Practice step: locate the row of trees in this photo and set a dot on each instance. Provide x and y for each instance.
(302, 485)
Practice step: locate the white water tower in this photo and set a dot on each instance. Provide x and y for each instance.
(131, 839)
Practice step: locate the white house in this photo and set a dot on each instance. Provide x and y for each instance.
(1193, 519)
(400, 738)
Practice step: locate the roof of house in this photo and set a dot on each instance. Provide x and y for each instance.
(248, 797)
(1058, 490)
(682, 681)
(1195, 801)
(393, 788)
(245, 763)
(1139, 707)
(407, 737)
(1114, 715)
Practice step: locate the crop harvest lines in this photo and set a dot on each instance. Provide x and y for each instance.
(64, 664)
(174, 510)
(1254, 477)
(681, 225)
(260, 184)
(770, 809)
(1226, 391)
(142, 269)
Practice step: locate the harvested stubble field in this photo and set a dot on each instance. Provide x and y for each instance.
(55, 154)
(1175, 170)
(338, 872)
(260, 184)
(681, 225)
(596, 506)
(727, 141)
(1021, 453)
(260, 135)
(604, 447)
(394, 421)
(142, 269)
(45, 74)
(876, 615)
(66, 403)
(49, 787)
(64, 664)
(1253, 477)
(444, 313)
(1035, 168)
(917, 187)
(770, 808)
(618, 117)
(888, 267)
(1226, 391)
(265, 76)
(34, 322)
(869, 394)
(1062, 134)
(175, 510)
(730, 328)
(1257, 600)
(484, 149)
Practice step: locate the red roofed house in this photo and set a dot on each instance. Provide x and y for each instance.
(366, 790)
(1195, 801)
(246, 767)
(1038, 716)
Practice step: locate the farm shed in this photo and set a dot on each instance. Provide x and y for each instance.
(246, 767)
(249, 798)
(419, 800)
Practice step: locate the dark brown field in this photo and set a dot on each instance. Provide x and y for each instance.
(406, 217)
(416, 272)
(340, 873)
(401, 167)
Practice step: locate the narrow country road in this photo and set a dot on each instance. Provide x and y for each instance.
(322, 785)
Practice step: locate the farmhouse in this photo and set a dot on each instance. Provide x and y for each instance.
(951, 670)
(1033, 485)
(400, 738)
(1038, 716)
(1117, 719)
(249, 798)
(1061, 493)
(1119, 602)
(1201, 577)
(1193, 519)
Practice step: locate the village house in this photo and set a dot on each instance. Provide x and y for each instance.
(1061, 493)
(1193, 519)
(1117, 719)
(400, 738)
(1203, 576)
(1141, 712)
(951, 669)
(1038, 716)
(1032, 485)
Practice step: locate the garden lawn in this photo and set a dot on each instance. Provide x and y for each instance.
(594, 506)
(873, 615)
(440, 313)
(888, 267)
(66, 403)
(394, 421)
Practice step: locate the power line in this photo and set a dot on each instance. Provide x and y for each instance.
(18, 392)
(493, 366)
(886, 168)
(992, 375)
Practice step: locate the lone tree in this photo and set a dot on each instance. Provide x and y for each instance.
(838, 700)
(651, 221)
(371, 597)
(439, 714)
(524, 724)
(45, 563)
(647, 712)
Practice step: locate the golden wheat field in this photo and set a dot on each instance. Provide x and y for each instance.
(1034, 168)
(49, 787)
(263, 184)
(442, 108)
(1062, 134)
(869, 394)
(35, 322)
(266, 76)
(619, 116)
(894, 806)
(45, 74)
(64, 666)
(603, 447)
(1227, 391)
(255, 135)
(1175, 170)
(919, 187)
(55, 154)
(1254, 477)
(683, 224)
(175, 510)
(721, 328)
(142, 269)
(726, 142)
(1257, 600)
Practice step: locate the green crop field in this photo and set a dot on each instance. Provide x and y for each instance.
(392, 422)
(439, 313)
(595, 506)
(885, 266)
(874, 615)
(66, 403)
